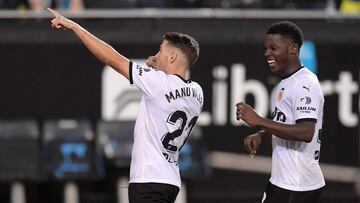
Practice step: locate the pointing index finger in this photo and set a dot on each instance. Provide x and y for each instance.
(55, 13)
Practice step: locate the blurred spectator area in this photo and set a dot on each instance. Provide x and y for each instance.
(113, 4)
(14, 4)
(272, 4)
(42, 4)
(350, 6)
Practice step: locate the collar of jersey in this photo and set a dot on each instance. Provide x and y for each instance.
(292, 73)
(186, 81)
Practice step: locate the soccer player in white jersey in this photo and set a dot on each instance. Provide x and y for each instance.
(295, 128)
(169, 109)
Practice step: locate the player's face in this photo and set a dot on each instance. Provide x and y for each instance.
(162, 57)
(278, 54)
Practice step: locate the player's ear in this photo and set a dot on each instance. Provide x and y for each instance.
(173, 56)
(294, 49)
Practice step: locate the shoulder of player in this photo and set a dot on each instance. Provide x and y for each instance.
(196, 85)
(199, 86)
(307, 86)
(306, 76)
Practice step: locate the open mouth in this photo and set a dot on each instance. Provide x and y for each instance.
(271, 62)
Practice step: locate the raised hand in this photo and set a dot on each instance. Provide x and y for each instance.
(246, 113)
(60, 21)
(151, 61)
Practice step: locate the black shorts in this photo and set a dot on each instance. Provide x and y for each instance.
(275, 194)
(152, 193)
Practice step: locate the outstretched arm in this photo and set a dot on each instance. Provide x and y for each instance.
(302, 131)
(104, 52)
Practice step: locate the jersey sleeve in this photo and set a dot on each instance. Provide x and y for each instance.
(308, 100)
(148, 80)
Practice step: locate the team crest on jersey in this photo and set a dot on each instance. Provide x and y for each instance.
(281, 94)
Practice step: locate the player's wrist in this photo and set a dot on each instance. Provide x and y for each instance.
(264, 134)
(258, 122)
(74, 26)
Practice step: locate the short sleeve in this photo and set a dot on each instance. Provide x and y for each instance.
(148, 80)
(308, 101)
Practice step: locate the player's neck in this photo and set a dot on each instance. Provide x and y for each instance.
(294, 66)
(182, 72)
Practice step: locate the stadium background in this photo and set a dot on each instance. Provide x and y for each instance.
(48, 74)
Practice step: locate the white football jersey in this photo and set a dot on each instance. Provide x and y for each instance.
(168, 112)
(295, 164)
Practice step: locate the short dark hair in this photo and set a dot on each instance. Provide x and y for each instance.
(187, 44)
(287, 29)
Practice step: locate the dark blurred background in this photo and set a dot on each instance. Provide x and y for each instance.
(66, 120)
